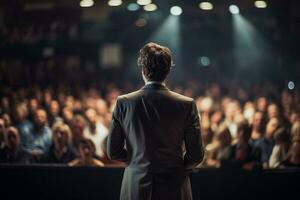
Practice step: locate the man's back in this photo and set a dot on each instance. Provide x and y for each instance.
(155, 123)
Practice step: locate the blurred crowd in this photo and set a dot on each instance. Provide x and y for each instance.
(240, 128)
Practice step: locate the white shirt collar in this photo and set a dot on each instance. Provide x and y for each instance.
(155, 82)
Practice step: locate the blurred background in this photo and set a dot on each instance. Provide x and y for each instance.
(64, 62)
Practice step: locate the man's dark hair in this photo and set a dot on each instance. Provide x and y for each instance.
(156, 61)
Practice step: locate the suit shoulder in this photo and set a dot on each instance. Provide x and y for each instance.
(181, 97)
(129, 95)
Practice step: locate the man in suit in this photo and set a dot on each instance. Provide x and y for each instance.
(157, 133)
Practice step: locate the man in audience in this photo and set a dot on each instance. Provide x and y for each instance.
(95, 131)
(13, 151)
(257, 126)
(39, 139)
(23, 125)
(54, 111)
(78, 125)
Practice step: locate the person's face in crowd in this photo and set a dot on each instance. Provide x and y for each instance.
(101, 107)
(91, 115)
(20, 113)
(33, 105)
(232, 110)
(12, 138)
(206, 105)
(60, 138)
(54, 107)
(257, 120)
(216, 117)
(286, 98)
(68, 114)
(262, 104)
(242, 134)
(77, 129)
(7, 120)
(40, 118)
(294, 117)
(271, 127)
(249, 110)
(47, 97)
(5, 103)
(86, 150)
(273, 111)
(215, 90)
(224, 137)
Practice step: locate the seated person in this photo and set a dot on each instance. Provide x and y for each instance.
(242, 154)
(61, 150)
(266, 143)
(13, 151)
(86, 155)
(38, 140)
(218, 149)
(293, 159)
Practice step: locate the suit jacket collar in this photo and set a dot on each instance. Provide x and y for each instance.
(155, 86)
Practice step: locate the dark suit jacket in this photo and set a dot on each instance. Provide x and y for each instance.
(148, 131)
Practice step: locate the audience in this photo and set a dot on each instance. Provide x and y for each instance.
(240, 127)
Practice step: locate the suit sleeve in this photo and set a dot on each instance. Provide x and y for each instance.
(192, 138)
(116, 138)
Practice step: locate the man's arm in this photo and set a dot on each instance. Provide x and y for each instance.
(116, 137)
(192, 137)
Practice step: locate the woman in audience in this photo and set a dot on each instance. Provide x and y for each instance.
(61, 151)
(86, 155)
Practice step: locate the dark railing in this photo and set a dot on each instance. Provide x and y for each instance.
(57, 182)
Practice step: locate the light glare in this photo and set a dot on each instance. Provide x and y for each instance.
(176, 10)
(115, 2)
(206, 6)
(133, 7)
(291, 85)
(150, 7)
(260, 4)
(144, 2)
(86, 3)
(234, 9)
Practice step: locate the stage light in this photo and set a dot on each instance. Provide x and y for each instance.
(141, 22)
(206, 6)
(234, 9)
(176, 10)
(260, 4)
(291, 85)
(150, 7)
(86, 3)
(115, 2)
(144, 2)
(133, 7)
(204, 61)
